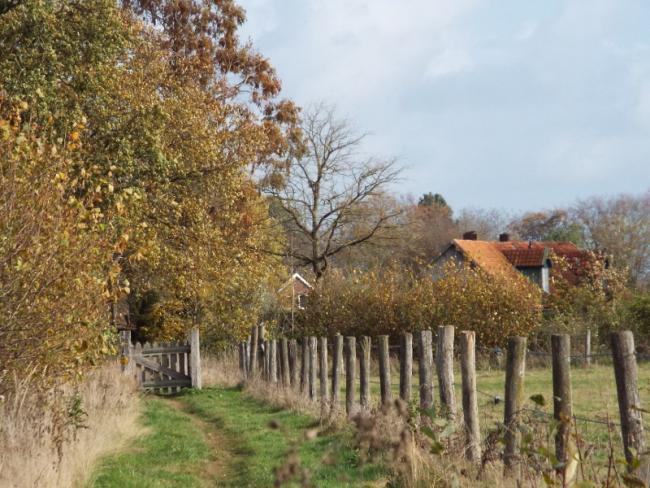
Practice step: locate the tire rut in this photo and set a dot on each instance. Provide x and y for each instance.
(217, 470)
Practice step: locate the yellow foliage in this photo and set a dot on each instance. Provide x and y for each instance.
(396, 300)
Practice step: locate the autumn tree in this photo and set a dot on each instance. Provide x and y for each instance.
(620, 226)
(52, 257)
(487, 223)
(552, 225)
(166, 111)
(325, 197)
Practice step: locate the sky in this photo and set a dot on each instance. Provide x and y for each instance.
(506, 104)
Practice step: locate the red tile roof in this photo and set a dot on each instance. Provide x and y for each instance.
(526, 257)
(486, 256)
(502, 257)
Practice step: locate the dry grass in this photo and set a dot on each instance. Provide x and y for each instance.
(53, 438)
(220, 370)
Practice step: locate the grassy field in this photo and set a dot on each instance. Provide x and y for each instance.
(219, 437)
(593, 390)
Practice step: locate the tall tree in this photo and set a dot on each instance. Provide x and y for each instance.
(326, 193)
(619, 225)
(547, 225)
(430, 199)
(166, 111)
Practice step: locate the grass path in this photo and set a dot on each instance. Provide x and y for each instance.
(220, 437)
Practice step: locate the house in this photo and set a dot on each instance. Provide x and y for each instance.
(295, 291)
(506, 257)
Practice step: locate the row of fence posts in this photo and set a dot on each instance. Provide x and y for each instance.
(277, 361)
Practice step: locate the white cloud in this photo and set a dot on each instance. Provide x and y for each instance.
(478, 97)
(448, 62)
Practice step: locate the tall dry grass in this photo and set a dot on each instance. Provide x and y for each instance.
(53, 438)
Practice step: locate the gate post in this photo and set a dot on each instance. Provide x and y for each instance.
(126, 359)
(195, 358)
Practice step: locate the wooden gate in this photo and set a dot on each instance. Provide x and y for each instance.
(163, 368)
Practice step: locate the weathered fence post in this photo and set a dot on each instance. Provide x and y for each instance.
(364, 371)
(562, 409)
(324, 394)
(470, 402)
(126, 359)
(284, 357)
(247, 357)
(267, 364)
(350, 373)
(425, 362)
(304, 367)
(337, 365)
(384, 370)
(514, 399)
(406, 367)
(273, 361)
(261, 354)
(253, 351)
(313, 365)
(241, 358)
(629, 404)
(588, 348)
(293, 363)
(445, 369)
(195, 358)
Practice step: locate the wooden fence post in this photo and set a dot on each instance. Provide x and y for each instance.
(304, 367)
(629, 404)
(364, 371)
(126, 360)
(350, 373)
(284, 356)
(266, 355)
(406, 367)
(253, 351)
(337, 365)
(313, 365)
(562, 408)
(324, 394)
(261, 338)
(384, 370)
(195, 358)
(273, 361)
(588, 348)
(247, 356)
(470, 402)
(241, 357)
(293, 363)
(445, 369)
(514, 400)
(425, 360)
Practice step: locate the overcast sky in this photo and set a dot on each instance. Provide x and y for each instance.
(505, 103)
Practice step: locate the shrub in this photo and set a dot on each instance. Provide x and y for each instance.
(395, 300)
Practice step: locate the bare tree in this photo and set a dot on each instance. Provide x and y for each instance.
(621, 226)
(488, 223)
(325, 199)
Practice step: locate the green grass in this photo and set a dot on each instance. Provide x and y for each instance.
(593, 392)
(219, 437)
(258, 449)
(166, 456)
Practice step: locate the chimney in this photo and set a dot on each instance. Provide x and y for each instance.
(470, 235)
(505, 237)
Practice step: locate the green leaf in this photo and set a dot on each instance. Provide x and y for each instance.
(437, 448)
(428, 432)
